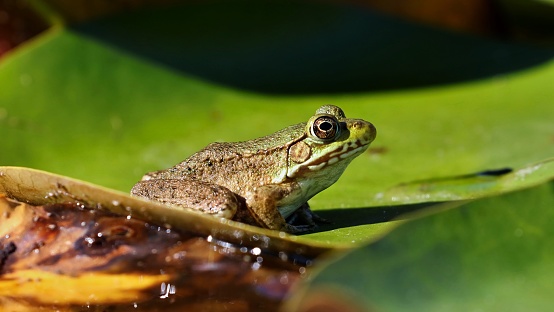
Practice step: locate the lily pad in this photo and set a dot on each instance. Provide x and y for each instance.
(492, 254)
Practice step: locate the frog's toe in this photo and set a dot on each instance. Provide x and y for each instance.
(297, 229)
(305, 215)
(318, 219)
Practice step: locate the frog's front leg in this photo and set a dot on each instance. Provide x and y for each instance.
(206, 197)
(263, 202)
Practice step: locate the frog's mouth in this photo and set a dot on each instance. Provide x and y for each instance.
(348, 151)
(342, 154)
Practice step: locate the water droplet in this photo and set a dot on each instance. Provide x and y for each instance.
(89, 241)
(166, 290)
(238, 234)
(163, 288)
(179, 255)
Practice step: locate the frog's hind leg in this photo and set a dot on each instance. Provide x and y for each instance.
(206, 197)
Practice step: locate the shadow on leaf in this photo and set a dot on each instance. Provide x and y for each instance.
(342, 218)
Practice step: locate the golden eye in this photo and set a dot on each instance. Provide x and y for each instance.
(325, 128)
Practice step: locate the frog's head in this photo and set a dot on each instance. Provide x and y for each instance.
(329, 144)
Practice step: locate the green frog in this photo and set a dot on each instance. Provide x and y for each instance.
(266, 181)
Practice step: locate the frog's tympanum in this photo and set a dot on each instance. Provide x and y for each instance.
(268, 180)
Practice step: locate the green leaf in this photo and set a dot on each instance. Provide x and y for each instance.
(493, 254)
(468, 186)
(112, 99)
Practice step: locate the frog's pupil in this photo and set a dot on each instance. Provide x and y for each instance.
(326, 126)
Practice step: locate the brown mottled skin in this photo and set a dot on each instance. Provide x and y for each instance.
(264, 180)
(256, 161)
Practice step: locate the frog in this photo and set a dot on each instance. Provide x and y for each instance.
(267, 181)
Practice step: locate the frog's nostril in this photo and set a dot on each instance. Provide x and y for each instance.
(360, 124)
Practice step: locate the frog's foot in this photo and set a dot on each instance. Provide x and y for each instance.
(315, 217)
(305, 215)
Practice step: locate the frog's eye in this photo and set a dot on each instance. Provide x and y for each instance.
(325, 128)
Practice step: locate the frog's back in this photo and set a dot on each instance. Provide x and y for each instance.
(238, 165)
(270, 142)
